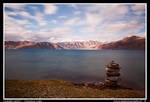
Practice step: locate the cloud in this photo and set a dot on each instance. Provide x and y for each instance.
(77, 12)
(14, 6)
(11, 22)
(111, 31)
(138, 9)
(109, 12)
(73, 5)
(93, 19)
(71, 21)
(54, 35)
(62, 17)
(24, 14)
(14, 30)
(88, 29)
(76, 21)
(50, 9)
(105, 22)
(54, 21)
(124, 26)
(97, 22)
(96, 14)
(17, 33)
(38, 17)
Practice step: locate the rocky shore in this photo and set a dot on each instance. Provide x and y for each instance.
(99, 85)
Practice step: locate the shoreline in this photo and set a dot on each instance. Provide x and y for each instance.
(65, 89)
(100, 86)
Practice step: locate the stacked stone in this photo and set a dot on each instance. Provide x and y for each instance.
(113, 74)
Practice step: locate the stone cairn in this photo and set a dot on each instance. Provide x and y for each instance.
(113, 75)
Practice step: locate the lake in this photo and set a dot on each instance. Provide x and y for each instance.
(75, 65)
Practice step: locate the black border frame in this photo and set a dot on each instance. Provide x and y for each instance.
(73, 1)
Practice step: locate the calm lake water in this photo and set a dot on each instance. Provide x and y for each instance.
(75, 65)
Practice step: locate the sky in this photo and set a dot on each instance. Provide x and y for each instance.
(54, 22)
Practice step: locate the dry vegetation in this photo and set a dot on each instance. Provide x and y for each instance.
(62, 89)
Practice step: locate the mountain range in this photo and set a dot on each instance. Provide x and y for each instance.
(127, 43)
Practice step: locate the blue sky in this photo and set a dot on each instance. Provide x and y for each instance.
(73, 22)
